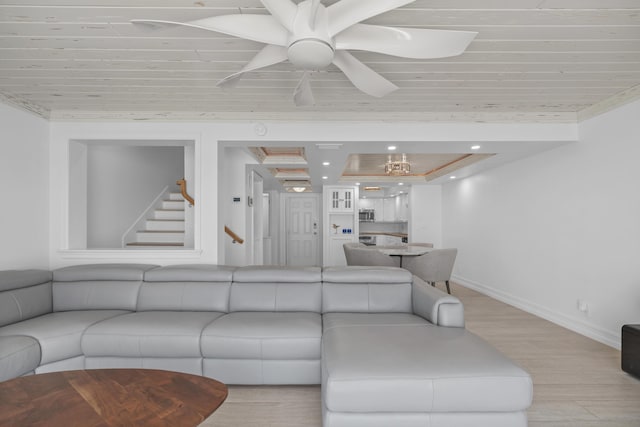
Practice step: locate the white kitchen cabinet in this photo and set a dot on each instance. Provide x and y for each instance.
(402, 207)
(336, 250)
(366, 204)
(342, 200)
(389, 209)
(378, 207)
(341, 222)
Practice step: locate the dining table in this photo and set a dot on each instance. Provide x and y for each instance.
(403, 251)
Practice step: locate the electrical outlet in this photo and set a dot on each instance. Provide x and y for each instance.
(582, 306)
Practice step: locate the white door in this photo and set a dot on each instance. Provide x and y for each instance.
(303, 230)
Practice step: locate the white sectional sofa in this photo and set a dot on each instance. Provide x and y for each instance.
(387, 349)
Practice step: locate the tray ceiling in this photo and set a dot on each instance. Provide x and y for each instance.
(553, 58)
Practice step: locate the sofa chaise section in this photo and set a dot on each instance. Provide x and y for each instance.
(174, 305)
(384, 365)
(419, 375)
(273, 331)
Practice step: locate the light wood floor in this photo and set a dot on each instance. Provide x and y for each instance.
(577, 381)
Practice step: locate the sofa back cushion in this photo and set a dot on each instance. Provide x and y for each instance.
(186, 288)
(275, 288)
(24, 294)
(366, 290)
(98, 286)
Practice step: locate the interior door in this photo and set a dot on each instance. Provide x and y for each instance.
(302, 228)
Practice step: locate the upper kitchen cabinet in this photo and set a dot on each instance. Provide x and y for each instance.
(342, 200)
(402, 207)
(387, 209)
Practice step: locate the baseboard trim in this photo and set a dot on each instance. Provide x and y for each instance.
(612, 339)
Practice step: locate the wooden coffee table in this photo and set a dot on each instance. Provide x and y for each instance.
(109, 397)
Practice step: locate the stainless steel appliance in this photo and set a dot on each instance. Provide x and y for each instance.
(367, 215)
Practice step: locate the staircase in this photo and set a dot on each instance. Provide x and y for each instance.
(165, 228)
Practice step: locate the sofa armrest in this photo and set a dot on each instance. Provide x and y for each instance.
(439, 308)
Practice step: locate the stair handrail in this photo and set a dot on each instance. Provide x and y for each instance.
(234, 236)
(183, 190)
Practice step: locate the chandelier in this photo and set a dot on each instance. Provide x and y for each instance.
(395, 168)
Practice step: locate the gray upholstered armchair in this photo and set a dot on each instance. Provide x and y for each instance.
(434, 266)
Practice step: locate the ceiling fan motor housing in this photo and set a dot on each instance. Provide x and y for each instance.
(310, 54)
(310, 46)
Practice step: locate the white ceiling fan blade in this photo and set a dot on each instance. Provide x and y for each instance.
(313, 11)
(269, 55)
(415, 43)
(303, 96)
(345, 13)
(283, 10)
(259, 28)
(363, 77)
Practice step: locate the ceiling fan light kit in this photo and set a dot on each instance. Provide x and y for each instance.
(312, 37)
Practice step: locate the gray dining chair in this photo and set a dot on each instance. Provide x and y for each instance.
(348, 251)
(434, 266)
(368, 256)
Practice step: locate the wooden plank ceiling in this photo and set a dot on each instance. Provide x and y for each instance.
(63, 58)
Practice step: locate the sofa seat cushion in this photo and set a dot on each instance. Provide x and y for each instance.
(59, 333)
(148, 334)
(264, 335)
(337, 320)
(418, 368)
(19, 355)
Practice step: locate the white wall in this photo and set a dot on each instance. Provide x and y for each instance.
(24, 212)
(564, 225)
(212, 184)
(121, 183)
(234, 173)
(425, 214)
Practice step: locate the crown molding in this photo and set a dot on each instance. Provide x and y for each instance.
(618, 100)
(442, 117)
(25, 105)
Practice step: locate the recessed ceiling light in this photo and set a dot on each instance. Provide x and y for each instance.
(325, 177)
(401, 192)
(401, 183)
(475, 147)
(357, 183)
(299, 189)
(325, 163)
(452, 177)
(392, 148)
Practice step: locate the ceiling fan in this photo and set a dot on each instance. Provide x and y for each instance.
(312, 36)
